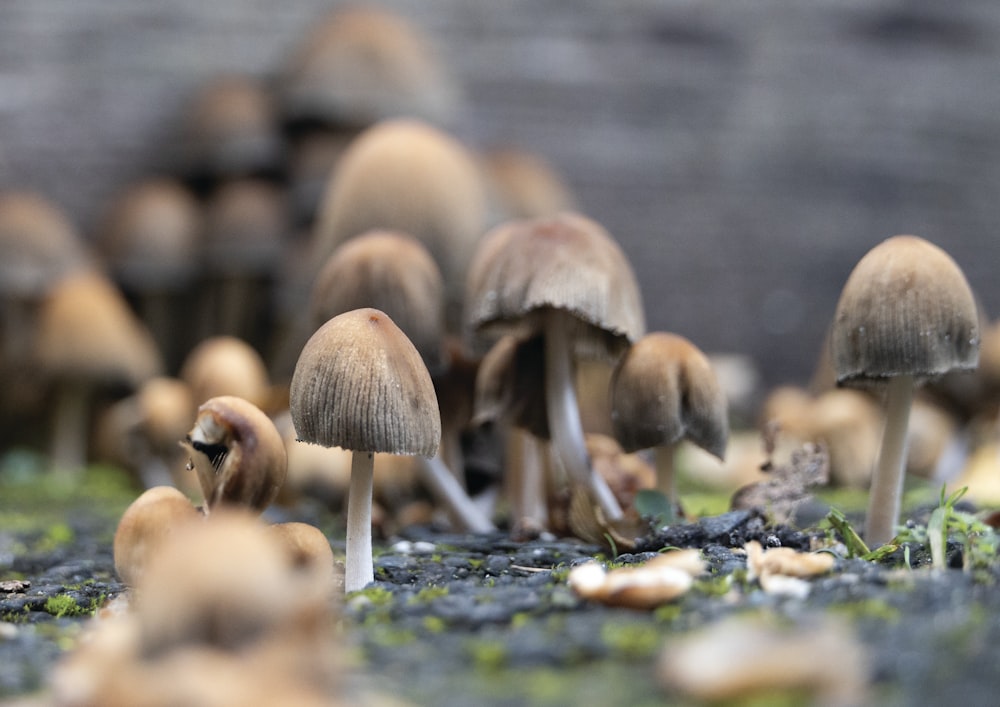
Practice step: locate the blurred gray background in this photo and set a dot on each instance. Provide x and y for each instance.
(745, 154)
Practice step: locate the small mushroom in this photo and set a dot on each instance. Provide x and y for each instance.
(309, 551)
(525, 185)
(905, 314)
(566, 279)
(664, 390)
(226, 365)
(360, 384)
(145, 524)
(238, 454)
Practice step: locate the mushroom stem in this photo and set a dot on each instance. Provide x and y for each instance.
(564, 416)
(525, 471)
(446, 489)
(665, 481)
(69, 422)
(360, 570)
(887, 481)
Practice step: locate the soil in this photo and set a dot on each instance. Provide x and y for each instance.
(460, 619)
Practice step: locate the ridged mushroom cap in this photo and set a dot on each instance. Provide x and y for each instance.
(566, 262)
(238, 454)
(408, 176)
(392, 272)
(360, 384)
(905, 309)
(664, 390)
(361, 65)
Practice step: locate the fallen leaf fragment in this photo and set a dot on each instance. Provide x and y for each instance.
(645, 586)
(785, 561)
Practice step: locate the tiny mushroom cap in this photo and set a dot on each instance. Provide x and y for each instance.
(238, 454)
(226, 365)
(150, 519)
(360, 384)
(525, 185)
(906, 309)
(361, 65)
(664, 390)
(390, 271)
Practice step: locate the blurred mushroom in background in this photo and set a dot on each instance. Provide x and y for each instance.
(226, 365)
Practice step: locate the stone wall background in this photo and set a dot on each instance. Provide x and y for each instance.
(745, 154)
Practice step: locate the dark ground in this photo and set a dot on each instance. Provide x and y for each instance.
(459, 620)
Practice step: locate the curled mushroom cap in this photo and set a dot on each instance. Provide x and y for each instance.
(906, 309)
(565, 262)
(361, 65)
(237, 452)
(390, 271)
(360, 384)
(664, 390)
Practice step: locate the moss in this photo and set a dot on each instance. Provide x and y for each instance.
(64, 605)
(377, 596)
(632, 639)
(435, 624)
(56, 536)
(487, 655)
(717, 586)
(428, 594)
(520, 619)
(868, 609)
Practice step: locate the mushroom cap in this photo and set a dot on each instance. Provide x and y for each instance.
(245, 228)
(87, 330)
(364, 64)
(360, 384)
(390, 271)
(408, 176)
(225, 365)
(38, 244)
(906, 309)
(566, 262)
(146, 523)
(510, 385)
(238, 453)
(525, 185)
(231, 129)
(664, 390)
(150, 235)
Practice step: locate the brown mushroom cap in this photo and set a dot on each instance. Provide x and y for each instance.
(145, 524)
(525, 185)
(390, 271)
(225, 365)
(566, 262)
(237, 452)
(905, 309)
(245, 228)
(407, 176)
(360, 384)
(87, 330)
(364, 64)
(664, 390)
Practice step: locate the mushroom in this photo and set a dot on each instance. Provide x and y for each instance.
(563, 278)
(144, 525)
(408, 176)
(905, 314)
(226, 365)
(88, 339)
(237, 452)
(663, 391)
(309, 551)
(360, 384)
(524, 185)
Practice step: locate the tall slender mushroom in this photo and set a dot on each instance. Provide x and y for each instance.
(360, 384)
(563, 277)
(664, 390)
(905, 314)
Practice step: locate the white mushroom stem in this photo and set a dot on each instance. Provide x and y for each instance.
(446, 490)
(564, 416)
(887, 481)
(360, 570)
(69, 427)
(665, 477)
(525, 474)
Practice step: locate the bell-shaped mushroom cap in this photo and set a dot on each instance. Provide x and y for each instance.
(165, 411)
(245, 229)
(392, 272)
(145, 525)
(237, 452)
(360, 384)
(525, 185)
(150, 234)
(664, 390)
(231, 129)
(225, 365)
(87, 330)
(906, 309)
(38, 244)
(566, 262)
(362, 65)
(407, 176)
